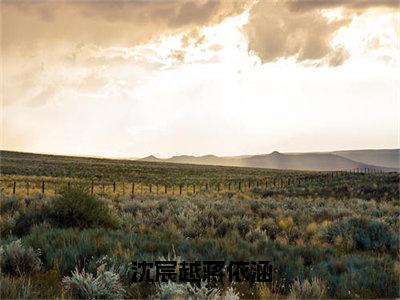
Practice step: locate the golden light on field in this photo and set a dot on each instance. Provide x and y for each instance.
(226, 78)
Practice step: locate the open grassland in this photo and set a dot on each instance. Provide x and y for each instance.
(327, 234)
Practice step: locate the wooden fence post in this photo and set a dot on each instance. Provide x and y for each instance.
(218, 187)
(165, 189)
(14, 185)
(240, 186)
(150, 188)
(194, 188)
(180, 189)
(123, 188)
(42, 187)
(114, 187)
(133, 188)
(27, 188)
(92, 187)
(229, 186)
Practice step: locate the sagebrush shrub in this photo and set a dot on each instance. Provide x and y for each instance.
(77, 208)
(7, 225)
(18, 260)
(271, 229)
(315, 289)
(202, 291)
(361, 234)
(172, 290)
(230, 294)
(9, 204)
(243, 226)
(358, 276)
(83, 285)
(30, 217)
(223, 228)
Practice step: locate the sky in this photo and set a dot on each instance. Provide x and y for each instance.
(137, 78)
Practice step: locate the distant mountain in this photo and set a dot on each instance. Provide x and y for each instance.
(150, 158)
(205, 160)
(385, 160)
(386, 157)
(304, 161)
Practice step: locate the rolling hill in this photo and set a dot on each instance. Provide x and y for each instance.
(383, 160)
(389, 158)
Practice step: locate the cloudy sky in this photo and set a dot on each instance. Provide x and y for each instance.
(134, 78)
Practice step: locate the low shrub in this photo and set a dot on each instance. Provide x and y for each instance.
(9, 204)
(315, 289)
(66, 248)
(82, 285)
(357, 276)
(27, 219)
(243, 226)
(230, 294)
(361, 234)
(223, 228)
(172, 290)
(17, 260)
(202, 291)
(271, 229)
(7, 225)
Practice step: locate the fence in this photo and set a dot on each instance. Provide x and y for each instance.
(135, 187)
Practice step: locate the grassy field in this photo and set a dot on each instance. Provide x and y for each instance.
(326, 234)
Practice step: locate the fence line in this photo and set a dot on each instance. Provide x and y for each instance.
(189, 188)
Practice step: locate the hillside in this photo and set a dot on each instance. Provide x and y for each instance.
(384, 160)
(389, 158)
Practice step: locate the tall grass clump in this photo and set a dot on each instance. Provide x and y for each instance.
(77, 208)
(15, 287)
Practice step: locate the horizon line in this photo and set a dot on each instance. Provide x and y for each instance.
(178, 155)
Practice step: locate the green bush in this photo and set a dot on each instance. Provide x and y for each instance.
(77, 208)
(30, 217)
(361, 234)
(18, 260)
(66, 248)
(357, 276)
